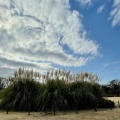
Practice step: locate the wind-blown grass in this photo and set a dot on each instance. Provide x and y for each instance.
(25, 94)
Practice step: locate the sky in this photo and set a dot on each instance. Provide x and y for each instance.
(75, 35)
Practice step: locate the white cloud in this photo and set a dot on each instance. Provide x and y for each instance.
(100, 9)
(35, 32)
(115, 13)
(85, 2)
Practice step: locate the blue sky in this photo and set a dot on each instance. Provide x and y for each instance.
(77, 35)
(99, 28)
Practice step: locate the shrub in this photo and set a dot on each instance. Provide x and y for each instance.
(103, 103)
(25, 94)
(53, 97)
(20, 96)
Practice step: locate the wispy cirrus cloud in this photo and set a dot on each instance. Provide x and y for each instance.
(34, 34)
(100, 9)
(84, 2)
(115, 13)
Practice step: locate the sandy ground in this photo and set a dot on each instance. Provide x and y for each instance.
(108, 114)
(101, 114)
(115, 99)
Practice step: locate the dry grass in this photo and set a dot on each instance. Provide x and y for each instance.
(102, 114)
(115, 99)
(108, 114)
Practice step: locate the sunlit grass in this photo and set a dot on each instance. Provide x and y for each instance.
(102, 114)
(116, 100)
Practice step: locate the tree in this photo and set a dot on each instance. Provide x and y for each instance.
(115, 86)
(1, 83)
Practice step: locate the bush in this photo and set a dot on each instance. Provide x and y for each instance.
(103, 103)
(53, 97)
(20, 96)
(25, 94)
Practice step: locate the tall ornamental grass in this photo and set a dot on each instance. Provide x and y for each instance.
(24, 93)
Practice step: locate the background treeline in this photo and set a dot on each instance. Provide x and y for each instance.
(57, 91)
(112, 89)
(2, 84)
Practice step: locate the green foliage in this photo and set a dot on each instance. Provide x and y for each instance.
(112, 89)
(25, 94)
(83, 97)
(95, 88)
(1, 84)
(103, 103)
(54, 96)
(20, 96)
